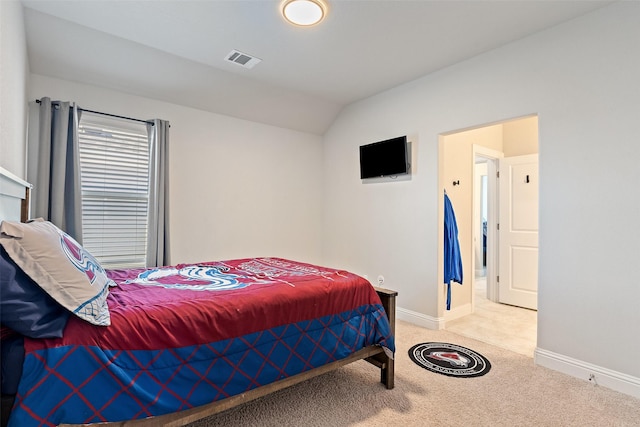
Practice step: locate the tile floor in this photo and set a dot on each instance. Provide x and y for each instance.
(501, 325)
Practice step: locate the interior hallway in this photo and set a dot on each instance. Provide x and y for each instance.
(506, 326)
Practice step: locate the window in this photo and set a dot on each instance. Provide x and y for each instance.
(114, 175)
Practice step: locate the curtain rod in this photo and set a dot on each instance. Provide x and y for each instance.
(110, 115)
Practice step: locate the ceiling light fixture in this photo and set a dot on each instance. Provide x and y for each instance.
(304, 12)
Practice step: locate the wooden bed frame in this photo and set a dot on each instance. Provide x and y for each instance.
(19, 195)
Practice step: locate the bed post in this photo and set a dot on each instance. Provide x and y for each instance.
(386, 363)
(24, 205)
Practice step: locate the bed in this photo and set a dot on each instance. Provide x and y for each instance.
(171, 345)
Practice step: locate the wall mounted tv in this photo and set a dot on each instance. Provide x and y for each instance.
(384, 158)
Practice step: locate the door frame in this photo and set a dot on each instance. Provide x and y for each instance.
(491, 157)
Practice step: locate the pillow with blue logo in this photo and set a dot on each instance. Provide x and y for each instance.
(60, 266)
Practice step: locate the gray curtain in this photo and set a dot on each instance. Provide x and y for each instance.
(158, 233)
(55, 168)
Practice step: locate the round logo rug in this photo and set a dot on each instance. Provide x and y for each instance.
(449, 359)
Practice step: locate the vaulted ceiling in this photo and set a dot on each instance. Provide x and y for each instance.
(176, 50)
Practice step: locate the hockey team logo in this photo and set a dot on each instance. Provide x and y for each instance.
(81, 259)
(453, 358)
(449, 359)
(192, 278)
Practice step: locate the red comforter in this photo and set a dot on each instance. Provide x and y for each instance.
(187, 335)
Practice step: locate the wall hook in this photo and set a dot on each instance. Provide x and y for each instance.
(457, 182)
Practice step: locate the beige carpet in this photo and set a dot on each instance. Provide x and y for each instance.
(514, 393)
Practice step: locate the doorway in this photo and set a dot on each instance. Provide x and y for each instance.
(477, 208)
(485, 220)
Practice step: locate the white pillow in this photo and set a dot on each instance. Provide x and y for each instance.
(60, 266)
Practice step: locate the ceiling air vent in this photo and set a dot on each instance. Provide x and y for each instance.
(247, 61)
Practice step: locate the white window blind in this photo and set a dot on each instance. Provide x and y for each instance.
(114, 175)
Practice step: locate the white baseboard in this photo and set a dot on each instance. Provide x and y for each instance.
(591, 373)
(419, 319)
(431, 322)
(458, 312)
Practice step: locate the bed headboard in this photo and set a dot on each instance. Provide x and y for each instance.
(14, 197)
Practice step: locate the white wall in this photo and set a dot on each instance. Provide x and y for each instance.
(238, 188)
(581, 78)
(14, 72)
(520, 137)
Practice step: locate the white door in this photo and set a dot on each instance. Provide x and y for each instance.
(518, 231)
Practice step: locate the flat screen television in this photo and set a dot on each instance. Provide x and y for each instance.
(384, 158)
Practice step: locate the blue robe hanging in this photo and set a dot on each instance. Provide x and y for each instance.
(452, 257)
